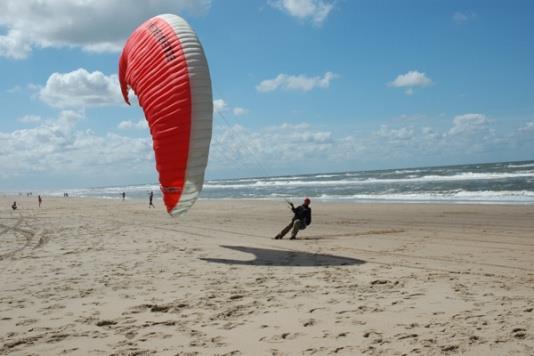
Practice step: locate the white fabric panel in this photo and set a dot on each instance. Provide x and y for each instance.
(201, 111)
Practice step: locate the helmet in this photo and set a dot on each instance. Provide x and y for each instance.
(307, 201)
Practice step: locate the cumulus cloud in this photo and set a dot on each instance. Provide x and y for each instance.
(293, 147)
(129, 124)
(296, 82)
(403, 133)
(300, 146)
(90, 24)
(315, 11)
(15, 44)
(528, 128)
(411, 80)
(57, 148)
(461, 17)
(282, 145)
(467, 134)
(81, 88)
(29, 119)
(469, 124)
(429, 133)
(220, 106)
(237, 111)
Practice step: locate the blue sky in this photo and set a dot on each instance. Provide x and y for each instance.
(299, 86)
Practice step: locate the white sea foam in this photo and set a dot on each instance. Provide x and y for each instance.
(455, 177)
(466, 176)
(325, 176)
(525, 165)
(403, 171)
(524, 196)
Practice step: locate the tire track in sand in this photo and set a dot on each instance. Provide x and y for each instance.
(27, 234)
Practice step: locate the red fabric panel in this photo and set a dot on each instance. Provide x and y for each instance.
(153, 64)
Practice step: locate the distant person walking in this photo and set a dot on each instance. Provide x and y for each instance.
(123, 195)
(14, 205)
(40, 200)
(301, 219)
(150, 199)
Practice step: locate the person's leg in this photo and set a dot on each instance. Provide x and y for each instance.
(296, 227)
(284, 231)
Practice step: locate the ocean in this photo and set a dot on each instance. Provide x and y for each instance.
(504, 182)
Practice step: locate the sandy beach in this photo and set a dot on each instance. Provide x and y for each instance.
(107, 277)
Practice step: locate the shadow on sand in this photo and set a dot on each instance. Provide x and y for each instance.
(268, 257)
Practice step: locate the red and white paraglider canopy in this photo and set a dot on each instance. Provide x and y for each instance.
(164, 63)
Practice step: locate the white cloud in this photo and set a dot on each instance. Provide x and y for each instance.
(528, 128)
(15, 44)
(81, 89)
(89, 24)
(69, 118)
(220, 107)
(303, 147)
(403, 133)
(240, 111)
(57, 148)
(29, 119)
(469, 124)
(128, 124)
(301, 126)
(283, 145)
(296, 82)
(461, 17)
(411, 80)
(468, 134)
(15, 89)
(429, 133)
(314, 10)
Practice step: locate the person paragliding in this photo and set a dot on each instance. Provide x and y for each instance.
(164, 63)
(301, 219)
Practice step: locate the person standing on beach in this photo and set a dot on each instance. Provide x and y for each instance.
(40, 200)
(300, 221)
(150, 198)
(123, 195)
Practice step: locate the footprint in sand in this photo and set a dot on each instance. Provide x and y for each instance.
(279, 338)
(519, 333)
(310, 322)
(13, 344)
(106, 323)
(371, 333)
(343, 334)
(315, 351)
(26, 322)
(449, 348)
(403, 336)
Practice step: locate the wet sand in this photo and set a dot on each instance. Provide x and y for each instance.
(101, 277)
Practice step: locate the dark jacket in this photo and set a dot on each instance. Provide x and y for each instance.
(303, 213)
